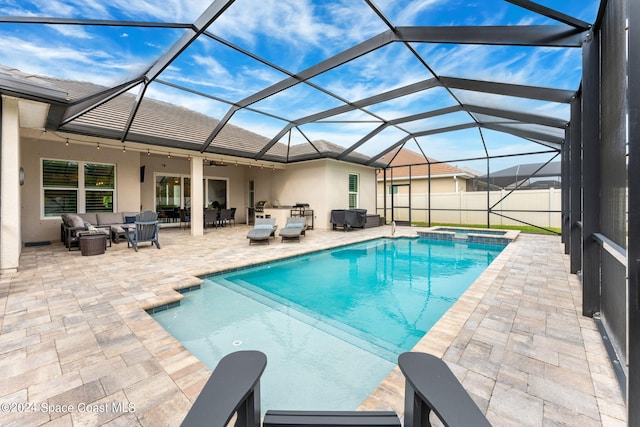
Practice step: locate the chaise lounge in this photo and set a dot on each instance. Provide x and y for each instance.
(294, 228)
(262, 231)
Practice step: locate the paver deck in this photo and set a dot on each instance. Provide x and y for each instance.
(78, 348)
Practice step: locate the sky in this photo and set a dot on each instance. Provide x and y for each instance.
(289, 36)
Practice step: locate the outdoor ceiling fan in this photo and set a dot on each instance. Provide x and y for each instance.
(216, 163)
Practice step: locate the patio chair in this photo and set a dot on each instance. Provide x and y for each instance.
(233, 216)
(225, 217)
(144, 229)
(185, 218)
(262, 231)
(233, 387)
(431, 386)
(211, 217)
(294, 228)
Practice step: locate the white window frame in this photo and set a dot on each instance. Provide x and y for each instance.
(81, 199)
(353, 193)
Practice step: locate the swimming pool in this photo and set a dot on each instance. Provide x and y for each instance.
(332, 323)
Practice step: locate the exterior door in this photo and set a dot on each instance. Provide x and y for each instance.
(401, 203)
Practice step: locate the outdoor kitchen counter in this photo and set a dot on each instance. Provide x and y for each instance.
(281, 213)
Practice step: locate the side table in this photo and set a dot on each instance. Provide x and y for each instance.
(93, 243)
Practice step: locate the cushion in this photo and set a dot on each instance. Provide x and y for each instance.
(109, 218)
(66, 220)
(263, 227)
(75, 221)
(129, 219)
(89, 217)
(295, 225)
(117, 229)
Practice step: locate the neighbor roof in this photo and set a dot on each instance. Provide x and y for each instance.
(408, 163)
(346, 80)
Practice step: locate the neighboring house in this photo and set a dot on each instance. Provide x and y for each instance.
(530, 176)
(408, 167)
(46, 172)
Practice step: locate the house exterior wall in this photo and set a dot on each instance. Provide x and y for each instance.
(37, 228)
(321, 183)
(337, 190)
(178, 165)
(421, 185)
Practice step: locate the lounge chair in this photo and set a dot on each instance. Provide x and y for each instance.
(262, 231)
(144, 229)
(294, 228)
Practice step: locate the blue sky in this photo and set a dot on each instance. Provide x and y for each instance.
(294, 35)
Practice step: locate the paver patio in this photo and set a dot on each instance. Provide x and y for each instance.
(77, 346)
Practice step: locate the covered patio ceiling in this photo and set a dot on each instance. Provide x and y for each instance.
(350, 80)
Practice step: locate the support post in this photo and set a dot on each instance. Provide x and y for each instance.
(10, 224)
(633, 183)
(197, 197)
(591, 174)
(575, 186)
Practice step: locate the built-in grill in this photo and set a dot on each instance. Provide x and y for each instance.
(302, 210)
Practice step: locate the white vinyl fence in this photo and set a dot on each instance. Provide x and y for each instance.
(537, 207)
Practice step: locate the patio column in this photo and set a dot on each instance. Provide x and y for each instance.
(197, 197)
(10, 227)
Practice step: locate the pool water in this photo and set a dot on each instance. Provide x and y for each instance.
(332, 323)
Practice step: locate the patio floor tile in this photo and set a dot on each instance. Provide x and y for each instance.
(73, 329)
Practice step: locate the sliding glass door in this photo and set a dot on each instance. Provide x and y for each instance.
(215, 192)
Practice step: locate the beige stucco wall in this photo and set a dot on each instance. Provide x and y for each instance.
(35, 227)
(178, 165)
(420, 185)
(323, 184)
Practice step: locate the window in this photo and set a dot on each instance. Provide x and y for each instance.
(99, 184)
(353, 191)
(70, 187)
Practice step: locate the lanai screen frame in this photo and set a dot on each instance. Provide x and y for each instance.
(581, 147)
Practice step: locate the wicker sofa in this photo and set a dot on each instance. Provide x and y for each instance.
(111, 221)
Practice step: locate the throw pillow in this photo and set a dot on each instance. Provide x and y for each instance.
(76, 221)
(263, 226)
(129, 219)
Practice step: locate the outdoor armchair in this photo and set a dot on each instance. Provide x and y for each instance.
(144, 229)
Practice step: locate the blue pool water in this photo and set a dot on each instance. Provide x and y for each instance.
(332, 323)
